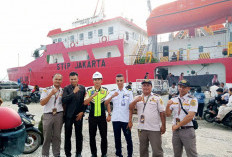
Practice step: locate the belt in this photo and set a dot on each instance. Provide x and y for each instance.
(185, 127)
(52, 113)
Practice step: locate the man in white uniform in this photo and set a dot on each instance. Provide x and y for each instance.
(151, 120)
(121, 98)
(183, 131)
(52, 117)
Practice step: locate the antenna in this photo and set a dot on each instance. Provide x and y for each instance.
(96, 8)
(102, 10)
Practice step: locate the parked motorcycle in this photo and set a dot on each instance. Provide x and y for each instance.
(35, 97)
(28, 97)
(34, 137)
(212, 111)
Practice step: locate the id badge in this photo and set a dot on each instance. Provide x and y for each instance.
(177, 121)
(142, 119)
(54, 110)
(123, 102)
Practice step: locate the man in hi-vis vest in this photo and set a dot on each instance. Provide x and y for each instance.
(97, 118)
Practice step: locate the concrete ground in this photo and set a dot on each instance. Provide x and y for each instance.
(213, 140)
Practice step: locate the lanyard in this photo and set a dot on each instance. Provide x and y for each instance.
(56, 97)
(179, 107)
(145, 103)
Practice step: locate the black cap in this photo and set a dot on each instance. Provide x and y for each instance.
(219, 90)
(146, 81)
(185, 83)
(130, 82)
(147, 72)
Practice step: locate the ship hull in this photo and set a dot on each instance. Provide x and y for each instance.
(39, 72)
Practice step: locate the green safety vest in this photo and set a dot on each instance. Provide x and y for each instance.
(98, 100)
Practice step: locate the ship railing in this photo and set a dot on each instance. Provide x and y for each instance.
(160, 87)
(210, 52)
(100, 39)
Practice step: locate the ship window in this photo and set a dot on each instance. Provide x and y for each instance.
(108, 54)
(111, 30)
(127, 36)
(81, 36)
(90, 35)
(103, 52)
(219, 43)
(201, 49)
(78, 55)
(100, 32)
(135, 36)
(55, 58)
(72, 38)
(59, 40)
(54, 40)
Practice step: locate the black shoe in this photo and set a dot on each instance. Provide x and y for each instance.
(78, 155)
(104, 155)
(93, 155)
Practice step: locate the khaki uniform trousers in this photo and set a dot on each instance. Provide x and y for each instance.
(223, 110)
(154, 137)
(52, 125)
(186, 138)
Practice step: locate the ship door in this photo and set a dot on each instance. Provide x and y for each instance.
(161, 73)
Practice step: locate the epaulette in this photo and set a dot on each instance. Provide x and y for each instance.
(190, 96)
(89, 88)
(49, 88)
(105, 88)
(128, 89)
(156, 94)
(113, 90)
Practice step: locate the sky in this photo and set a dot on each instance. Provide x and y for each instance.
(24, 24)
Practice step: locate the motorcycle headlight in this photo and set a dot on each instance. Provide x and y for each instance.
(33, 122)
(26, 120)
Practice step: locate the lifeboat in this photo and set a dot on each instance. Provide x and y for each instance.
(188, 14)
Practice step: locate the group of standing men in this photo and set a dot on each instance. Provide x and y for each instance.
(69, 105)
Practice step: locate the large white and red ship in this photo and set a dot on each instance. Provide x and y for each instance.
(198, 49)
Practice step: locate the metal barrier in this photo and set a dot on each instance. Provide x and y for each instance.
(158, 86)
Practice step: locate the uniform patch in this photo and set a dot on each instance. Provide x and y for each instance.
(161, 102)
(193, 103)
(185, 104)
(153, 99)
(102, 92)
(92, 92)
(45, 90)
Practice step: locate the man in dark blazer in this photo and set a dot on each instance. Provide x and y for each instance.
(73, 98)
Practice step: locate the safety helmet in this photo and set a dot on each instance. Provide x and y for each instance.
(97, 75)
